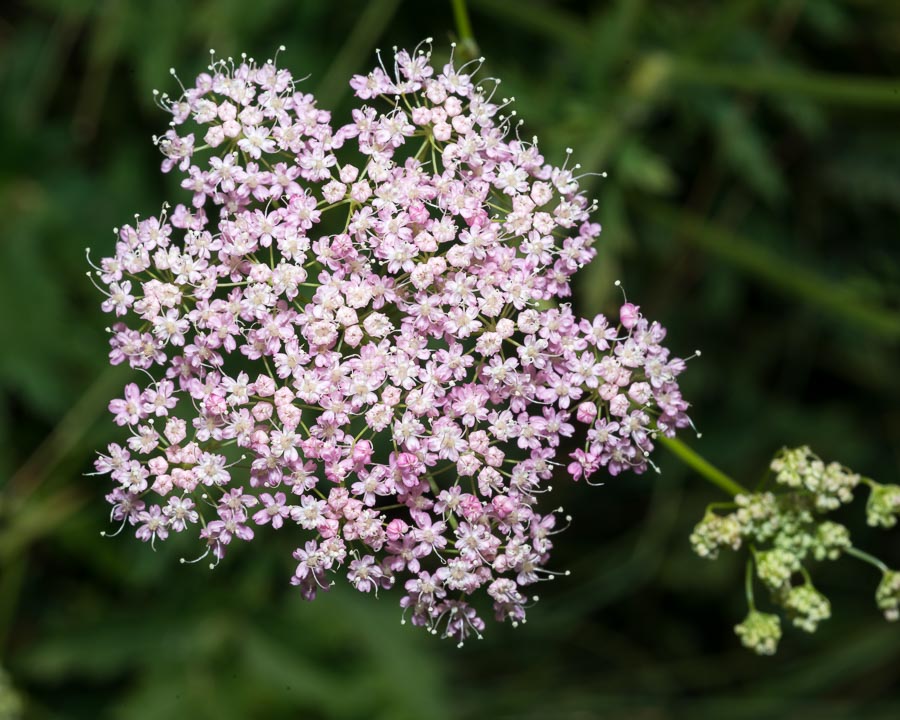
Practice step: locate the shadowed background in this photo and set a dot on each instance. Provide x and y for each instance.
(751, 206)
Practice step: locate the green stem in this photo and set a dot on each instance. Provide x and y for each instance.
(702, 466)
(748, 583)
(865, 557)
(464, 28)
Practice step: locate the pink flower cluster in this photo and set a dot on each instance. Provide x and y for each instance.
(363, 346)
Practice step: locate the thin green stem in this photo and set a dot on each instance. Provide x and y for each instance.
(865, 557)
(690, 458)
(464, 27)
(748, 583)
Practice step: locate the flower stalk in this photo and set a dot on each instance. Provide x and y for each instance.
(706, 469)
(468, 46)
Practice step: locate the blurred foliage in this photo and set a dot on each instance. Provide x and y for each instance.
(751, 206)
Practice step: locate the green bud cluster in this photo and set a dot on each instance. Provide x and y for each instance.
(784, 528)
(831, 539)
(806, 607)
(760, 632)
(883, 506)
(887, 597)
(714, 532)
(830, 485)
(775, 567)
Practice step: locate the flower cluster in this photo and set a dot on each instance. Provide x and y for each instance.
(760, 632)
(829, 485)
(883, 506)
(887, 596)
(355, 333)
(784, 530)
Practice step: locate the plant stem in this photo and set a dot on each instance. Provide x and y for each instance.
(464, 27)
(702, 466)
(865, 557)
(748, 583)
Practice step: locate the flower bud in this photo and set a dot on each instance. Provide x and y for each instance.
(760, 632)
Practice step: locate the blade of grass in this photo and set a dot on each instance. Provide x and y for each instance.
(540, 18)
(67, 434)
(766, 265)
(362, 39)
(826, 88)
(36, 520)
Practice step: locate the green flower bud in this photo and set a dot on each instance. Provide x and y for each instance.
(760, 632)
(807, 607)
(714, 532)
(758, 515)
(791, 466)
(795, 537)
(888, 595)
(832, 487)
(883, 506)
(831, 539)
(775, 567)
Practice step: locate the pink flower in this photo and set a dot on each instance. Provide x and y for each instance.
(414, 376)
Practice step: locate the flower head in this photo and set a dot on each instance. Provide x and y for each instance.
(355, 334)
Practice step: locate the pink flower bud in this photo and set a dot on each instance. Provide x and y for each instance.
(184, 479)
(619, 405)
(421, 115)
(283, 396)
(418, 213)
(352, 508)
(395, 529)
(265, 386)
(362, 452)
(608, 391)
(586, 413)
(470, 507)
(442, 132)
(353, 335)
(494, 457)
(503, 505)
(262, 411)
(328, 528)
(162, 485)
(349, 173)
(215, 405)
(452, 106)
(629, 315)
(175, 431)
(157, 465)
(289, 416)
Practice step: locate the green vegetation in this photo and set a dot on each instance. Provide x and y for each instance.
(752, 206)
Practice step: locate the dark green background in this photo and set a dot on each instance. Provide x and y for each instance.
(752, 206)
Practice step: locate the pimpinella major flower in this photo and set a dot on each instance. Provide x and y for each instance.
(358, 335)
